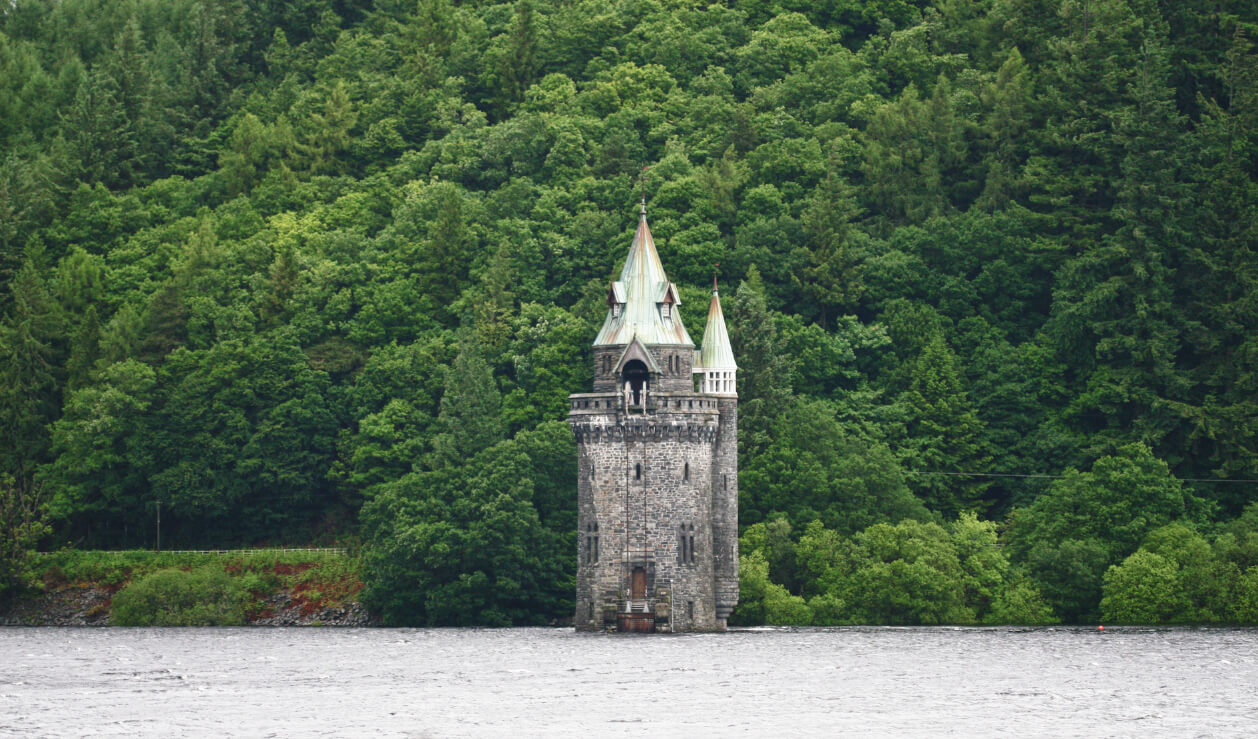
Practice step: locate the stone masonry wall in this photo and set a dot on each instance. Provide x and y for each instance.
(641, 478)
(725, 509)
(681, 381)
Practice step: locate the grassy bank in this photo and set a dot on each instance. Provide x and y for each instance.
(279, 587)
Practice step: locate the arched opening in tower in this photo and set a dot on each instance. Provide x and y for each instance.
(636, 378)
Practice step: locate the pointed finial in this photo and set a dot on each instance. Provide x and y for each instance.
(642, 184)
(715, 268)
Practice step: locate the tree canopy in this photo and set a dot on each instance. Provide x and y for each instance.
(328, 270)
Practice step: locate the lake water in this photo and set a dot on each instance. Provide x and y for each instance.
(60, 682)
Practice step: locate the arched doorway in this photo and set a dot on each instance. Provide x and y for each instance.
(636, 376)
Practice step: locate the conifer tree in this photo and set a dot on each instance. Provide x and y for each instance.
(470, 419)
(944, 434)
(31, 348)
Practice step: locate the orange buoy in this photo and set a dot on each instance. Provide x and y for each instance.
(1101, 627)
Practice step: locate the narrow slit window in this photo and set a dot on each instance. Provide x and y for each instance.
(637, 471)
(690, 549)
(685, 473)
(591, 544)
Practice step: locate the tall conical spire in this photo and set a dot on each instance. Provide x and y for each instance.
(643, 302)
(716, 353)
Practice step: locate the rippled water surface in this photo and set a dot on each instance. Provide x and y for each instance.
(556, 683)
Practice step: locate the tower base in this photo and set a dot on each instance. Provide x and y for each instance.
(638, 623)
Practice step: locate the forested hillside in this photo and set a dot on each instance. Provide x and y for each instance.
(317, 270)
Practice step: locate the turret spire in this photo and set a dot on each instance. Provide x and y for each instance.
(642, 184)
(643, 303)
(715, 358)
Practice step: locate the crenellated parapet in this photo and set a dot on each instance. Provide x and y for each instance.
(637, 430)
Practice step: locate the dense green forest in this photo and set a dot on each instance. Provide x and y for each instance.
(326, 270)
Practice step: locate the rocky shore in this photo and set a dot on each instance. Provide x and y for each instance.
(77, 605)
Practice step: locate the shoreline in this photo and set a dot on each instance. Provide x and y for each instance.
(89, 606)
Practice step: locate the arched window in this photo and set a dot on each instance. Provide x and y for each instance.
(637, 377)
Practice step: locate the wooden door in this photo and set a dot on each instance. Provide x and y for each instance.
(638, 589)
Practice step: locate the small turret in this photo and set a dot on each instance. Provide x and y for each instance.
(714, 362)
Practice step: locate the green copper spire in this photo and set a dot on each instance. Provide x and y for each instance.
(716, 353)
(643, 303)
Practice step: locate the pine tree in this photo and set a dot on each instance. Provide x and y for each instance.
(1115, 305)
(944, 434)
(830, 273)
(519, 64)
(1218, 280)
(764, 366)
(470, 418)
(30, 357)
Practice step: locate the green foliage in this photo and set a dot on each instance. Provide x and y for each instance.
(1175, 577)
(910, 573)
(1088, 521)
(812, 469)
(260, 263)
(1120, 500)
(172, 597)
(463, 544)
(205, 588)
(762, 601)
(22, 525)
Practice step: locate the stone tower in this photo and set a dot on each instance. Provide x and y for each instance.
(657, 440)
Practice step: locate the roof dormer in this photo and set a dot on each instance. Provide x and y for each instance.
(616, 298)
(668, 302)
